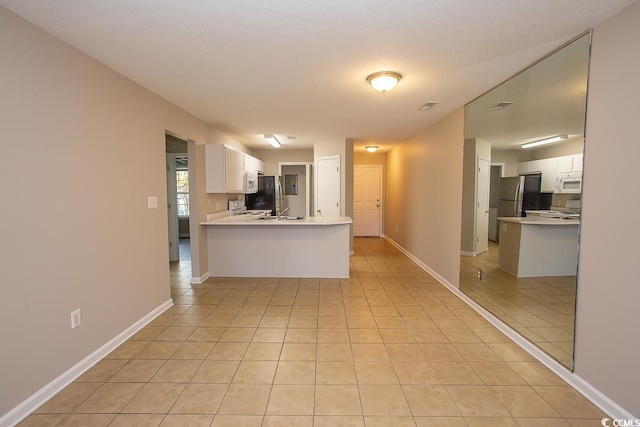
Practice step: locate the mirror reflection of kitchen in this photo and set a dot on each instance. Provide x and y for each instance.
(522, 179)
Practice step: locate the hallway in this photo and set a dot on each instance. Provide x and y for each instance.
(388, 347)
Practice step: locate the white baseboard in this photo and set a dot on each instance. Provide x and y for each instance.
(199, 280)
(596, 397)
(32, 403)
(467, 253)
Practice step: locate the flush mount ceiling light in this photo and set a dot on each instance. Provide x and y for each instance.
(371, 148)
(384, 81)
(544, 141)
(273, 141)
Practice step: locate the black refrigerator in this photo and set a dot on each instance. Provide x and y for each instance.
(519, 194)
(268, 196)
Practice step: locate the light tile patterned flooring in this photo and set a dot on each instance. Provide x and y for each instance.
(542, 309)
(387, 347)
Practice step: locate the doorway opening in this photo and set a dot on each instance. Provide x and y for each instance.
(297, 188)
(178, 208)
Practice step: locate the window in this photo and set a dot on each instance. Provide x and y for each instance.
(182, 184)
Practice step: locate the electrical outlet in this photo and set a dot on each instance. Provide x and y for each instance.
(76, 320)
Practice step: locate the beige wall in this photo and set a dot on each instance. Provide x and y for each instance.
(510, 158)
(607, 338)
(424, 193)
(569, 148)
(272, 157)
(82, 149)
(365, 158)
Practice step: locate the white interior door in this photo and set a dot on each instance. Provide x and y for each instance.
(367, 200)
(328, 186)
(172, 211)
(482, 206)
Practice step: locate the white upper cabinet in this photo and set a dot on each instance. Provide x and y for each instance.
(551, 169)
(224, 169)
(529, 167)
(570, 164)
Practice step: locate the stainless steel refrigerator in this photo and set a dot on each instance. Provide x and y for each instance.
(268, 196)
(518, 194)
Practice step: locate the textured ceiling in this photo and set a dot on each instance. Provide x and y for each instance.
(298, 67)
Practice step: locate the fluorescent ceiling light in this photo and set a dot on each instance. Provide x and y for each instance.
(273, 141)
(384, 81)
(371, 148)
(544, 141)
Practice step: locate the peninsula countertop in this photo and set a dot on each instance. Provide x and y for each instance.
(254, 220)
(538, 220)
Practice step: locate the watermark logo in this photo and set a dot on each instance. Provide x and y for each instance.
(606, 422)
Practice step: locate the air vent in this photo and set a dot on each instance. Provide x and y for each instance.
(503, 104)
(427, 106)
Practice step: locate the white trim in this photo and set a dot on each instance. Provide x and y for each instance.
(467, 253)
(32, 403)
(596, 397)
(199, 280)
(351, 253)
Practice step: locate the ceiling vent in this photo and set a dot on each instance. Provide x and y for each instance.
(427, 106)
(503, 104)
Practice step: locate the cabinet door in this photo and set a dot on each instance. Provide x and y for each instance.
(577, 163)
(549, 169)
(565, 164)
(250, 164)
(215, 168)
(234, 169)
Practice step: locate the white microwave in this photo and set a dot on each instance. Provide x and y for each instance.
(250, 183)
(569, 184)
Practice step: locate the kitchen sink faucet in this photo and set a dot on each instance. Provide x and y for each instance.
(281, 212)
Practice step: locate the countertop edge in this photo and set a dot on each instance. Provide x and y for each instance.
(539, 221)
(244, 222)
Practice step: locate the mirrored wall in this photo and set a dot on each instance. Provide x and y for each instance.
(522, 206)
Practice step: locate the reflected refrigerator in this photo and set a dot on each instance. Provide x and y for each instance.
(268, 196)
(518, 194)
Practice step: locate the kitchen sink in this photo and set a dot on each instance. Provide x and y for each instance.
(281, 218)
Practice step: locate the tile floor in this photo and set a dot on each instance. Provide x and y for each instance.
(542, 309)
(387, 347)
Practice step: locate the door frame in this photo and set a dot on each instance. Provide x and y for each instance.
(172, 212)
(309, 189)
(477, 200)
(381, 192)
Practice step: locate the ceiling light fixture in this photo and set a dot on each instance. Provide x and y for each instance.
(544, 141)
(273, 141)
(371, 148)
(384, 81)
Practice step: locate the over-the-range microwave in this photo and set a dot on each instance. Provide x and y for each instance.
(569, 184)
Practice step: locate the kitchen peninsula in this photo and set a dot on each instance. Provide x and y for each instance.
(538, 246)
(247, 246)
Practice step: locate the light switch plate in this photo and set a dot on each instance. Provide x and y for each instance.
(152, 202)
